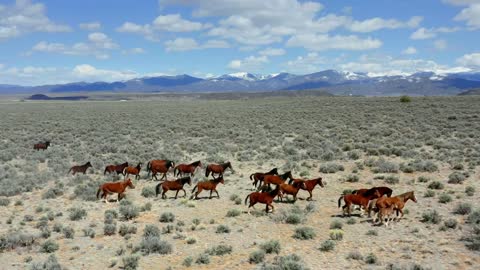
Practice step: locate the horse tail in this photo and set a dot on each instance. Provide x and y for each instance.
(98, 192)
(69, 171)
(246, 198)
(251, 175)
(195, 187)
(340, 201)
(157, 190)
(104, 172)
(207, 172)
(149, 168)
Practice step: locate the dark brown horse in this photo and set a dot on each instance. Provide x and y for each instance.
(173, 185)
(42, 146)
(207, 185)
(257, 177)
(287, 189)
(159, 166)
(262, 197)
(217, 168)
(356, 199)
(309, 185)
(133, 170)
(186, 168)
(114, 187)
(367, 192)
(80, 169)
(115, 168)
(276, 179)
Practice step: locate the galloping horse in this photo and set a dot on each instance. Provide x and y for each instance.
(258, 176)
(173, 185)
(217, 168)
(276, 179)
(357, 199)
(115, 168)
(398, 202)
(291, 189)
(207, 185)
(114, 187)
(309, 185)
(187, 168)
(133, 170)
(262, 197)
(80, 169)
(42, 146)
(159, 166)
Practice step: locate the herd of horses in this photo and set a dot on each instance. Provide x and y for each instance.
(376, 199)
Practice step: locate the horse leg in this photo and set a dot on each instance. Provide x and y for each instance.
(210, 194)
(217, 194)
(163, 194)
(311, 195)
(176, 194)
(184, 193)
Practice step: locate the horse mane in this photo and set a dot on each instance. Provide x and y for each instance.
(195, 163)
(139, 165)
(275, 191)
(124, 164)
(285, 175)
(405, 195)
(272, 171)
(86, 164)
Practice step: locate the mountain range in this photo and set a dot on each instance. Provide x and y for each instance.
(332, 81)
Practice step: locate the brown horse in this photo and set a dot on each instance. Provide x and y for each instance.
(258, 176)
(367, 192)
(217, 168)
(173, 185)
(115, 168)
(309, 185)
(398, 202)
(133, 170)
(207, 185)
(159, 166)
(293, 189)
(114, 187)
(42, 146)
(262, 197)
(186, 168)
(80, 169)
(387, 213)
(356, 199)
(276, 179)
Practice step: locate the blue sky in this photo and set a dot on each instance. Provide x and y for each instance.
(48, 42)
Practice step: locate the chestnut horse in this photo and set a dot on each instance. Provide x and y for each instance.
(133, 170)
(42, 146)
(80, 169)
(208, 185)
(258, 176)
(217, 168)
(115, 168)
(262, 197)
(356, 199)
(159, 166)
(276, 179)
(398, 202)
(173, 185)
(309, 185)
(187, 168)
(114, 187)
(288, 189)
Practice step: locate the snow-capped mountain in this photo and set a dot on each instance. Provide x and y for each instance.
(335, 82)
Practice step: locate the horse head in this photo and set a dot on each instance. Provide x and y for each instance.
(320, 182)
(129, 183)
(221, 180)
(47, 143)
(139, 166)
(88, 164)
(411, 196)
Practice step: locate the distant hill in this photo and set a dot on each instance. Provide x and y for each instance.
(471, 92)
(45, 97)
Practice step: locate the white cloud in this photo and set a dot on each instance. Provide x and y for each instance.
(375, 24)
(272, 52)
(188, 44)
(87, 72)
(25, 17)
(133, 28)
(312, 62)
(440, 44)
(134, 51)
(461, 2)
(90, 26)
(470, 60)
(175, 23)
(98, 45)
(471, 15)
(427, 33)
(251, 63)
(323, 42)
(409, 50)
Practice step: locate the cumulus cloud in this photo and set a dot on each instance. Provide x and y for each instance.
(87, 72)
(188, 44)
(98, 45)
(427, 33)
(272, 52)
(409, 50)
(470, 60)
(375, 24)
(471, 15)
(251, 63)
(25, 17)
(90, 26)
(440, 44)
(323, 42)
(312, 62)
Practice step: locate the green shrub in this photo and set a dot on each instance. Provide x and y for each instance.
(272, 246)
(474, 217)
(431, 216)
(423, 179)
(153, 244)
(256, 257)
(392, 180)
(167, 217)
(372, 232)
(405, 99)
(128, 210)
(336, 234)
(470, 191)
(52, 193)
(89, 232)
(304, 233)
(292, 261)
(355, 255)
(50, 264)
(222, 229)
(187, 261)
(151, 230)
(353, 178)
(77, 213)
(4, 201)
(68, 232)
(233, 213)
(351, 221)
(463, 209)
(336, 224)
(456, 178)
(444, 198)
(327, 245)
(371, 258)
(126, 229)
(435, 185)
(203, 259)
(109, 229)
(148, 192)
(130, 262)
(331, 168)
(450, 223)
(219, 250)
(429, 194)
(49, 246)
(294, 219)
